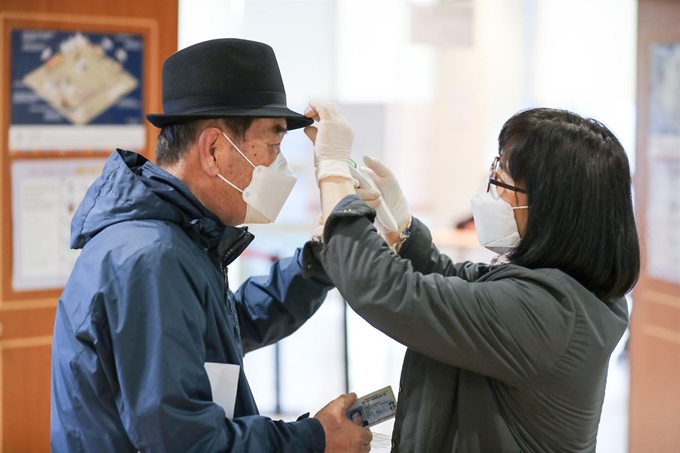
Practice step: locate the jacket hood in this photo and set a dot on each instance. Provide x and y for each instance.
(132, 188)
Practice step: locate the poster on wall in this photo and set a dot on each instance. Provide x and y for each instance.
(663, 154)
(45, 195)
(75, 91)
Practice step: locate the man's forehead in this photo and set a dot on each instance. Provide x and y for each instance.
(275, 126)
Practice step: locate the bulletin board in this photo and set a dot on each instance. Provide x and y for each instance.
(74, 88)
(654, 344)
(663, 159)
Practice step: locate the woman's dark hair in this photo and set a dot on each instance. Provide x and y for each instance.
(578, 187)
(175, 139)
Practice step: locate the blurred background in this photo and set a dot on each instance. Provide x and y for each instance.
(426, 85)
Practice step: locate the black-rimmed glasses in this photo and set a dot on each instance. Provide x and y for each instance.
(495, 182)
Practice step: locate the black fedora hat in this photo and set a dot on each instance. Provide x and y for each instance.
(223, 78)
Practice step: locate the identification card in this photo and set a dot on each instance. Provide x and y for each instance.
(373, 408)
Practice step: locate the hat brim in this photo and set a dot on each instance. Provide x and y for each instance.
(293, 120)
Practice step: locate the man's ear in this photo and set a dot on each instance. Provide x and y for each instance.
(207, 150)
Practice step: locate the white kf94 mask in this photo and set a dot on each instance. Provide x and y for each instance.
(268, 190)
(494, 220)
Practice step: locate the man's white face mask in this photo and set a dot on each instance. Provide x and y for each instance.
(494, 220)
(268, 190)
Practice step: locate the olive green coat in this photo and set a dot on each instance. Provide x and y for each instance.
(500, 358)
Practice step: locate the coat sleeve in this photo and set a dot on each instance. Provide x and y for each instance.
(272, 307)
(426, 258)
(164, 397)
(511, 330)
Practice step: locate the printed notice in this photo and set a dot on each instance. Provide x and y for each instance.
(45, 195)
(75, 91)
(663, 152)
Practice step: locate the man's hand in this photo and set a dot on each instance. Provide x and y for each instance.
(332, 140)
(390, 190)
(343, 436)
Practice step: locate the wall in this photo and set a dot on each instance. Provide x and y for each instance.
(27, 317)
(655, 321)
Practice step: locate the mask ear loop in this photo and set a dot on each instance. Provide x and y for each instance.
(239, 151)
(242, 155)
(228, 182)
(518, 207)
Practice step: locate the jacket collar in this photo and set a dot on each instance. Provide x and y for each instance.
(132, 188)
(222, 242)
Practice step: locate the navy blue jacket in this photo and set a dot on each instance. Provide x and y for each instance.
(147, 304)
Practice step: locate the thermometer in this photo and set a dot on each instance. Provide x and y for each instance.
(384, 215)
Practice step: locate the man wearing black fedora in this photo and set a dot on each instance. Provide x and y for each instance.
(147, 316)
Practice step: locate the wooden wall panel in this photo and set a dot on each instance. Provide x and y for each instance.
(26, 395)
(655, 321)
(27, 318)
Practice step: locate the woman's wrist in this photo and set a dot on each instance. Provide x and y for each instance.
(396, 240)
(391, 238)
(333, 189)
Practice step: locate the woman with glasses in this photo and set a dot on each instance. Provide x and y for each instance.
(510, 356)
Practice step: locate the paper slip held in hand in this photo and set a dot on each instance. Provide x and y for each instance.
(381, 443)
(224, 385)
(373, 408)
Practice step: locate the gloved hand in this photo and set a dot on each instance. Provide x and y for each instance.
(389, 189)
(332, 139)
(373, 198)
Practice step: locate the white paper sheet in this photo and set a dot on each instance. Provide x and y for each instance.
(224, 385)
(381, 443)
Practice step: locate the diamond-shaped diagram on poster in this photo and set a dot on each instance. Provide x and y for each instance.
(81, 81)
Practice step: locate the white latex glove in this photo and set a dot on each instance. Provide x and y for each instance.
(389, 189)
(372, 198)
(332, 139)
